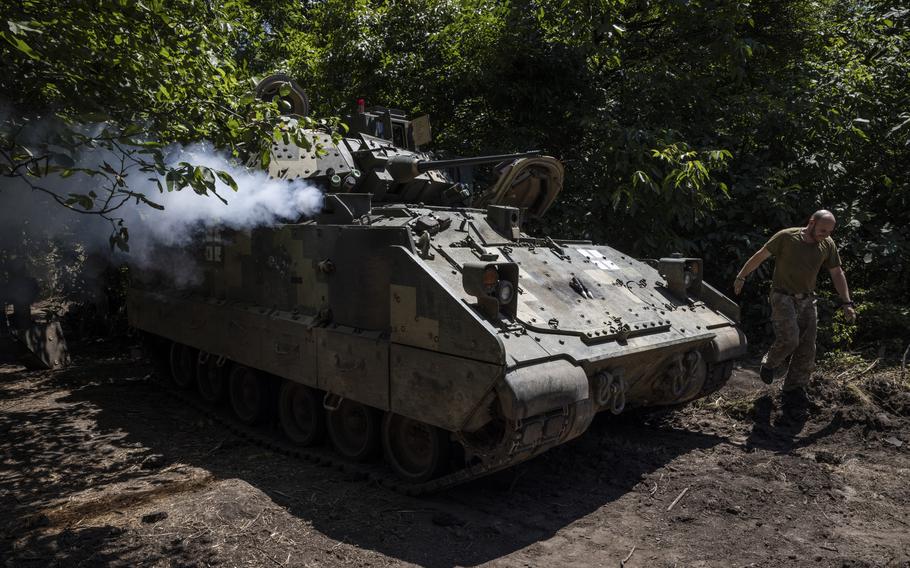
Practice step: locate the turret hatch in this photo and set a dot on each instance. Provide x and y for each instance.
(531, 184)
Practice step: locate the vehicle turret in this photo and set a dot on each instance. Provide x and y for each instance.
(380, 155)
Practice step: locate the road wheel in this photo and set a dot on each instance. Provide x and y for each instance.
(416, 451)
(183, 365)
(249, 394)
(301, 414)
(354, 430)
(211, 379)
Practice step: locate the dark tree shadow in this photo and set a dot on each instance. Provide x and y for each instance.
(467, 525)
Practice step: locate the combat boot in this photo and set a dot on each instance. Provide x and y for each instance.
(795, 404)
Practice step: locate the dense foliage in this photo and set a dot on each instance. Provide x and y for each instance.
(129, 78)
(700, 126)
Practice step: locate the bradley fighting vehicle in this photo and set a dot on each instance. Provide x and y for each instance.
(406, 320)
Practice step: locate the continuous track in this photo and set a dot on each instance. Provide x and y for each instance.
(368, 472)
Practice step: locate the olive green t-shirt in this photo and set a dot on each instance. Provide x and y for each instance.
(796, 262)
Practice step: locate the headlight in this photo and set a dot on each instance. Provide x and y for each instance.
(683, 275)
(505, 291)
(490, 280)
(493, 284)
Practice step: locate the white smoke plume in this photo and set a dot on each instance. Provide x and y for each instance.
(259, 201)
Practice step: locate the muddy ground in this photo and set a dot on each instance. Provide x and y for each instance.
(99, 467)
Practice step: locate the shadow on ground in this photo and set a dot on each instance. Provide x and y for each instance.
(110, 425)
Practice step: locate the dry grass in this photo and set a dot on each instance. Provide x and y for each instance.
(95, 504)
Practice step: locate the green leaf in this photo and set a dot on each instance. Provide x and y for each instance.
(131, 130)
(19, 44)
(21, 27)
(82, 200)
(227, 179)
(859, 132)
(151, 203)
(208, 176)
(899, 126)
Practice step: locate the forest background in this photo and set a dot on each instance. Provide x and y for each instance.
(693, 126)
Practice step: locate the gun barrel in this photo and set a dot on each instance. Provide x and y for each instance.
(406, 168)
(425, 166)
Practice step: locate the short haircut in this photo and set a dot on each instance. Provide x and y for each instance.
(822, 214)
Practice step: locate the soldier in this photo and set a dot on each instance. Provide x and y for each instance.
(799, 254)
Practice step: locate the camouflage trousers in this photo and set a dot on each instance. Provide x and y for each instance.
(795, 323)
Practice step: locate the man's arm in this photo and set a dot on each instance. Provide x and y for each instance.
(840, 284)
(748, 268)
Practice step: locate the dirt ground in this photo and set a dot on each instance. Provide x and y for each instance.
(99, 467)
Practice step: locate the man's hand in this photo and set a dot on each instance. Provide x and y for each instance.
(849, 313)
(756, 259)
(738, 285)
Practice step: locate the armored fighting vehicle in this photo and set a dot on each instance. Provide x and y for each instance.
(406, 319)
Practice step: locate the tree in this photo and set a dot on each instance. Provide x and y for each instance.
(100, 90)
